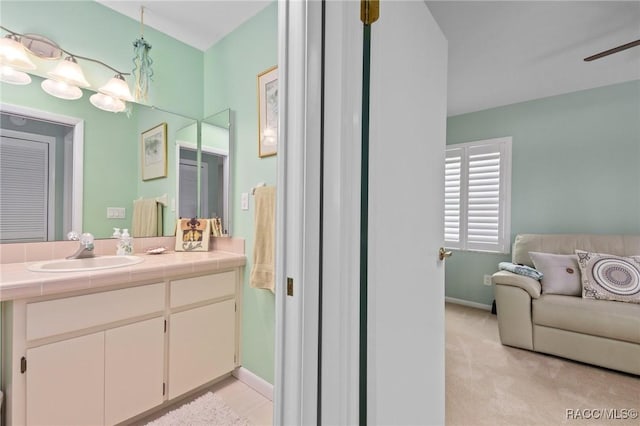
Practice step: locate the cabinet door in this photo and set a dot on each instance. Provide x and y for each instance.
(65, 382)
(134, 369)
(201, 346)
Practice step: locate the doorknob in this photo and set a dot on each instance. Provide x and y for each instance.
(442, 253)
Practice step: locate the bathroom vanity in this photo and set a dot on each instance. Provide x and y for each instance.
(101, 347)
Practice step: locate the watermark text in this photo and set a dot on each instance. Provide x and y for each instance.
(601, 413)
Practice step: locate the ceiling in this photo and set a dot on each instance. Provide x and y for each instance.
(197, 23)
(500, 52)
(506, 52)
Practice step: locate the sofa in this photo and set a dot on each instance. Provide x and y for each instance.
(584, 326)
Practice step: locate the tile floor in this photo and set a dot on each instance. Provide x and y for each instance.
(242, 399)
(245, 401)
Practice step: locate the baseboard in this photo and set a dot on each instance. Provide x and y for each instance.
(254, 381)
(468, 303)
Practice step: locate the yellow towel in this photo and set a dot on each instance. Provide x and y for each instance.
(147, 218)
(263, 270)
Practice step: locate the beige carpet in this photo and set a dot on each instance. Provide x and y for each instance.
(491, 384)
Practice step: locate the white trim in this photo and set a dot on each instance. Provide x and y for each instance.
(341, 239)
(254, 381)
(297, 219)
(468, 303)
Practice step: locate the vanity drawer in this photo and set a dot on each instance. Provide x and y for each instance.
(59, 316)
(197, 289)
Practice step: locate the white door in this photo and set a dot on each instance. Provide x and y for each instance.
(405, 348)
(406, 196)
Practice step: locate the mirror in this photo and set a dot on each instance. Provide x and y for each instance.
(111, 156)
(215, 158)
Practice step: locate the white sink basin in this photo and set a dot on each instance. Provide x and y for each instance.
(88, 264)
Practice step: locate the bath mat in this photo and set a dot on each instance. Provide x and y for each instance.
(207, 410)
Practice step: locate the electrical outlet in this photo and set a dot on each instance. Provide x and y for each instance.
(487, 280)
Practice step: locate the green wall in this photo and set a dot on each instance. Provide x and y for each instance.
(575, 170)
(231, 67)
(90, 29)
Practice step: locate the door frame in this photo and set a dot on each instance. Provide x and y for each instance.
(298, 217)
(76, 201)
(309, 388)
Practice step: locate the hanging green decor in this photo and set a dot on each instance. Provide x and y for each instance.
(142, 71)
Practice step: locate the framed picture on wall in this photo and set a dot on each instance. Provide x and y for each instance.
(268, 112)
(153, 144)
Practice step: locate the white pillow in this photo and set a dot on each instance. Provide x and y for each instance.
(609, 277)
(561, 273)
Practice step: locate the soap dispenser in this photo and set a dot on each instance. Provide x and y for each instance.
(125, 246)
(116, 233)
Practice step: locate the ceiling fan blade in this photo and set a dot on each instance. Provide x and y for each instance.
(614, 50)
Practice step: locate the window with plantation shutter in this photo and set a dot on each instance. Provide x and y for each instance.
(478, 196)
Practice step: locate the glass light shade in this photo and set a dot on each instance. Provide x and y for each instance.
(69, 72)
(117, 87)
(107, 103)
(12, 54)
(61, 89)
(11, 76)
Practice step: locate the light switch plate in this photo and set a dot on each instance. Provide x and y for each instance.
(116, 213)
(244, 201)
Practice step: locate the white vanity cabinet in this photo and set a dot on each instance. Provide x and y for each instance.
(105, 357)
(203, 328)
(65, 382)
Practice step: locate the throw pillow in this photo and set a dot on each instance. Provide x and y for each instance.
(609, 277)
(561, 273)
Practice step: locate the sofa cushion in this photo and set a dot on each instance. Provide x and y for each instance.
(560, 273)
(609, 277)
(620, 245)
(604, 318)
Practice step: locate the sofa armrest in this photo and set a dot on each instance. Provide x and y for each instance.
(528, 284)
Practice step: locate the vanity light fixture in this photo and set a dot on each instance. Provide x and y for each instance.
(13, 76)
(12, 56)
(66, 79)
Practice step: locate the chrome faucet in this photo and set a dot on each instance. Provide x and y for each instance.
(86, 245)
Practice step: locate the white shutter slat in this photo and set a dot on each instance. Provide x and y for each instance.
(483, 216)
(452, 190)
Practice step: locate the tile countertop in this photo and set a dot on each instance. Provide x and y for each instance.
(16, 282)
